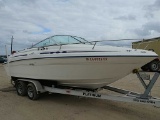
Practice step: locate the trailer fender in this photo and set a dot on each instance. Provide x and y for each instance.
(37, 84)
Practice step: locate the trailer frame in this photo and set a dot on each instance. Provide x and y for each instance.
(36, 88)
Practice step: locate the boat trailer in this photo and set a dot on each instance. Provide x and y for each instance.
(34, 88)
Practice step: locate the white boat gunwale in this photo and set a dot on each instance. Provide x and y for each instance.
(80, 57)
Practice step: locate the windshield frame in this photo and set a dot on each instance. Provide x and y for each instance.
(74, 37)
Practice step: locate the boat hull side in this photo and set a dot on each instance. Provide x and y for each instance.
(77, 72)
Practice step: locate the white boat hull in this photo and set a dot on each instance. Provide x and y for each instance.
(84, 72)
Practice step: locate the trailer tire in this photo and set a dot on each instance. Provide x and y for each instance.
(32, 92)
(21, 88)
(154, 66)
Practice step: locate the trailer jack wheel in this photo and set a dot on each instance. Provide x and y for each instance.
(32, 92)
(154, 66)
(21, 88)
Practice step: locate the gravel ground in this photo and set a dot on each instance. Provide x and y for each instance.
(65, 107)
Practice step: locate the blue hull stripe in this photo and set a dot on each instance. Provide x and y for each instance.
(81, 57)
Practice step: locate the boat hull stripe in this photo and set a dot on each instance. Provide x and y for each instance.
(80, 57)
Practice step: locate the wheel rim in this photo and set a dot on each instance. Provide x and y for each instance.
(19, 88)
(154, 66)
(30, 92)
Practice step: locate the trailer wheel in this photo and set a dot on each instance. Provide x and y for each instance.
(154, 66)
(21, 88)
(32, 92)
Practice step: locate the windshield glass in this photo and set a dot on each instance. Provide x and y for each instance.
(61, 40)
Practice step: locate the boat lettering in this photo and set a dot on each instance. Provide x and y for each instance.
(144, 101)
(32, 64)
(96, 59)
(91, 94)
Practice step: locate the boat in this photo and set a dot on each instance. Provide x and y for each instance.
(66, 60)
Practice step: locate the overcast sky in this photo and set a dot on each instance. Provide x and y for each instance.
(30, 21)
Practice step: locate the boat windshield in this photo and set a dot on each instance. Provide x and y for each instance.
(61, 40)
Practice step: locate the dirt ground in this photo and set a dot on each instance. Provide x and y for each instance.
(65, 107)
